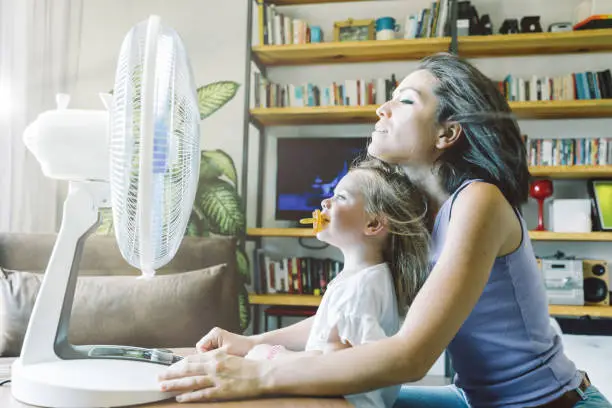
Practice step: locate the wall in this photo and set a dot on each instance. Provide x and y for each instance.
(216, 53)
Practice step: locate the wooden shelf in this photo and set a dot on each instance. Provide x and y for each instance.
(593, 311)
(571, 172)
(321, 115)
(315, 115)
(592, 108)
(284, 300)
(411, 49)
(280, 232)
(570, 236)
(536, 43)
(311, 300)
(349, 52)
(306, 2)
(534, 235)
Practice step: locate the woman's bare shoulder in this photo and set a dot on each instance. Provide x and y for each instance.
(482, 207)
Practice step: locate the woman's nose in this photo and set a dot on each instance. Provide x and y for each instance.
(384, 110)
(325, 204)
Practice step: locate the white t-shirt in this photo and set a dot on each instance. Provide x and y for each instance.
(362, 307)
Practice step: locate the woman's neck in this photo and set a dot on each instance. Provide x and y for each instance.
(426, 179)
(361, 257)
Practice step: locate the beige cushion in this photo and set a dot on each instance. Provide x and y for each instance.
(166, 311)
(101, 256)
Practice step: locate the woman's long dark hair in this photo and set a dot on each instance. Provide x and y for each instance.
(490, 147)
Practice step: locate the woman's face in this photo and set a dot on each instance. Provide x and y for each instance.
(346, 212)
(407, 129)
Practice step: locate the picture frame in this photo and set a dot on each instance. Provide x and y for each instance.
(600, 191)
(354, 30)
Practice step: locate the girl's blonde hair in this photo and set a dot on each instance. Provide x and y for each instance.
(389, 193)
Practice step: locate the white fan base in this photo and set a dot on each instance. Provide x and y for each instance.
(87, 383)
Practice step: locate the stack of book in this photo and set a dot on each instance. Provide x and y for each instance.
(578, 85)
(295, 275)
(429, 22)
(351, 92)
(278, 29)
(569, 152)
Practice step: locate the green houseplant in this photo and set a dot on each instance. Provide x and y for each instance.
(218, 208)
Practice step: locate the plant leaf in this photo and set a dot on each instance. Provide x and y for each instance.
(222, 164)
(193, 229)
(244, 308)
(208, 169)
(222, 207)
(197, 227)
(243, 265)
(213, 96)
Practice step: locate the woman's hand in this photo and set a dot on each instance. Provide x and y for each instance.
(216, 375)
(263, 352)
(234, 344)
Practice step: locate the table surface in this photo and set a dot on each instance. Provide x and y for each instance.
(7, 400)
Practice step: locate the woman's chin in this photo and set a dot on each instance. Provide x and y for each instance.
(382, 154)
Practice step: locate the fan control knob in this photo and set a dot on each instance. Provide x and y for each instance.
(162, 356)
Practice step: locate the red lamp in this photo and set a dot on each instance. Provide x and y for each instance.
(541, 190)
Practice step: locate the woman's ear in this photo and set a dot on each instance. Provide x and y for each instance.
(375, 226)
(449, 135)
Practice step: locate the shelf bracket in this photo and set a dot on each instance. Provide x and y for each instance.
(454, 45)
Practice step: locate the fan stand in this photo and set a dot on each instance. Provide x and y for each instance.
(51, 372)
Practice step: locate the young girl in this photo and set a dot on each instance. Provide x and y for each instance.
(376, 218)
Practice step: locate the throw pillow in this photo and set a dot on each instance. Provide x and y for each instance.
(166, 311)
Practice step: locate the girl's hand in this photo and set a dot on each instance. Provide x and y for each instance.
(216, 376)
(233, 343)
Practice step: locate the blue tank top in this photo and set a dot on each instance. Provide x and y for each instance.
(506, 353)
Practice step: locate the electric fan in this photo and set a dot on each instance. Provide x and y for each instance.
(143, 154)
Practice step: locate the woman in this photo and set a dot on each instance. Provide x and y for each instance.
(452, 131)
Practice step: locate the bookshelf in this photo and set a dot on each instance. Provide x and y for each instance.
(325, 115)
(533, 44)
(411, 49)
(312, 300)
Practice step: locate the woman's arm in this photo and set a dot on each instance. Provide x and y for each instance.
(292, 337)
(482, 224)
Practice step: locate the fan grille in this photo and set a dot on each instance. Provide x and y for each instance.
(176, 148)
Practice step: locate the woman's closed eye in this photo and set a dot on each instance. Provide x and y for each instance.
(407, 101)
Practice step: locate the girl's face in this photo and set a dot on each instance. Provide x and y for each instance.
(346, 211)
(407, 130)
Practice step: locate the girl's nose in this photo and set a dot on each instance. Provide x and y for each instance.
(325, 204)
(384, 110)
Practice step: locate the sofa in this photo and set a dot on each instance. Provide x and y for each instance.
(196, 291)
